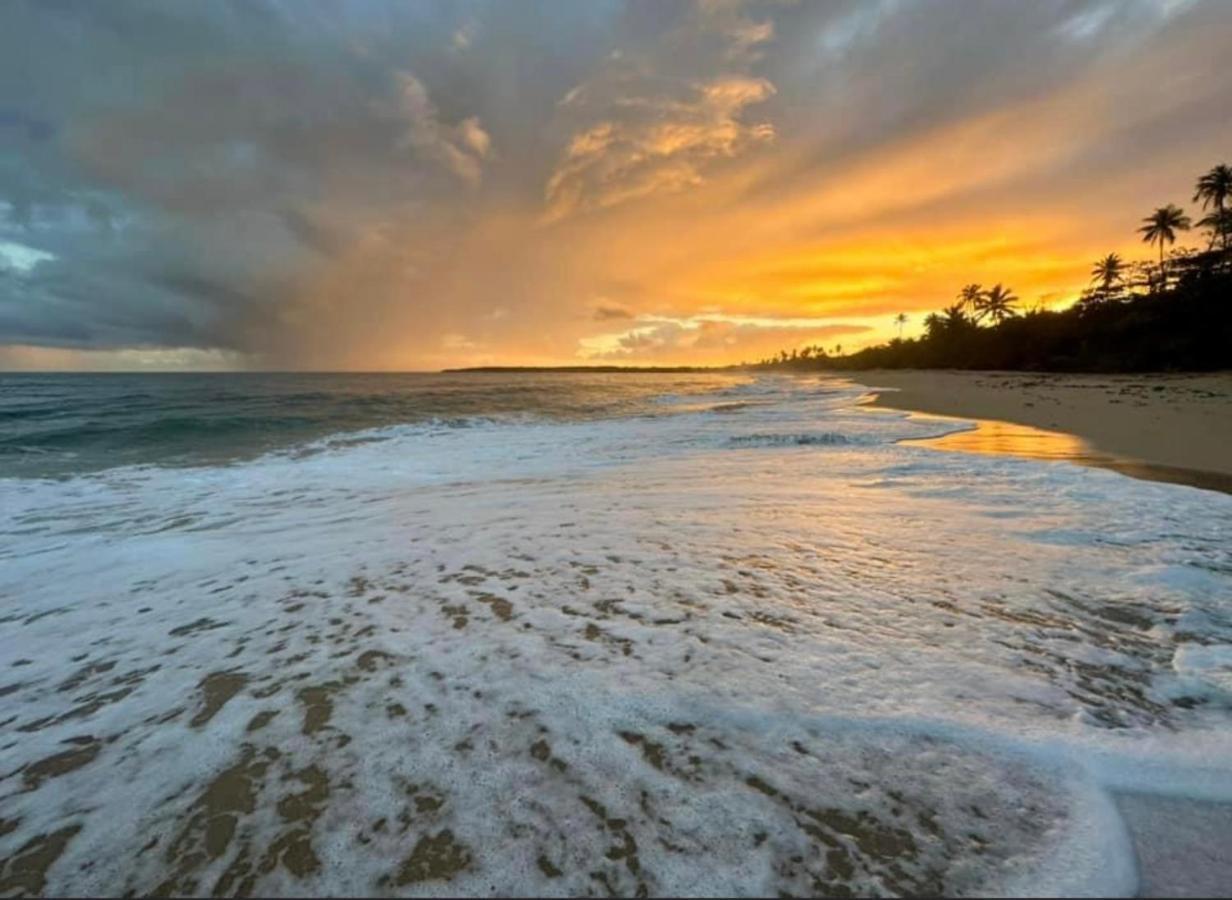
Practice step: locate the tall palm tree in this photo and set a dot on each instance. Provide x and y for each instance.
(900, 320)
(1213, 189)
(1160, 227)
(969, 297)
(996, 303)
(1109, 272)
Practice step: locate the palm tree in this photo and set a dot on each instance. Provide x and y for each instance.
(996, 303)
(1213, 189)
(1160, 227)
(900, 320)
(1219, 223)
(1109, 272)
(955, 317)
(969, 297)
(934, 325)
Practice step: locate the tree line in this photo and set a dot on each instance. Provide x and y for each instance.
(1169, 313)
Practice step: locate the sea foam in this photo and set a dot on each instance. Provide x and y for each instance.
(656, 654)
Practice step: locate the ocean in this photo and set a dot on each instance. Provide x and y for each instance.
(582, 634)
(66, 424)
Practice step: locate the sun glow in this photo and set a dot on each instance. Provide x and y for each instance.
(701, 186)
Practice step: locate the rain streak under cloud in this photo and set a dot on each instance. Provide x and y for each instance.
(375, 185)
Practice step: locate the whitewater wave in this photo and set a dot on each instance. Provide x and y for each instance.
(565, 656)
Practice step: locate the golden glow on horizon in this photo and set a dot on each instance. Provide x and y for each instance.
(706, 240)
(667, 280)
(699, 183)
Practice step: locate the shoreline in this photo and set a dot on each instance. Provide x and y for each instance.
(1174, 428)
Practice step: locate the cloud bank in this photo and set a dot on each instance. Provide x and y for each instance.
(408, 185)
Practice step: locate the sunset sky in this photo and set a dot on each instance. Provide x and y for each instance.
(411, 185)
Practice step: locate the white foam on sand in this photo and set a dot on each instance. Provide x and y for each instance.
(621, 656)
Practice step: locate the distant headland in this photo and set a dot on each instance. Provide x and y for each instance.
(593, 370)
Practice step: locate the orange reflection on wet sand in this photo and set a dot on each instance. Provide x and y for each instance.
(1010, 439)
(999, 438)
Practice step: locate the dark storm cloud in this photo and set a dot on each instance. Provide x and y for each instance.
(281, 178)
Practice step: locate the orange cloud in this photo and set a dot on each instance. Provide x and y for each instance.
(679, 184)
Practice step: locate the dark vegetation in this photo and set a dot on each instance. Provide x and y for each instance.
(1171, 314)
(598, 370)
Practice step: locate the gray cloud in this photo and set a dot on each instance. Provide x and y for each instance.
(606, 312)
(652, 120)
(358, 183)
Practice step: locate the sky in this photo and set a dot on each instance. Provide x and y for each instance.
(279, 184)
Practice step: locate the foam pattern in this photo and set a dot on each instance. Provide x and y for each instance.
(667, 654)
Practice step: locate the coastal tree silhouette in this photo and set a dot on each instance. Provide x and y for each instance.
(956, 319)
(1213, 189)
(1172, 315)
(1219, 224)
(1160, 227)
(996, 303)
(969, 297)
(1109, 272)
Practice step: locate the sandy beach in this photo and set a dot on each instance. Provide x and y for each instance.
(682, 634)
(1179, 845)
(1168, 427)
(1175, 428)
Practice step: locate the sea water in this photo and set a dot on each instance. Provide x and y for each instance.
(577, 634)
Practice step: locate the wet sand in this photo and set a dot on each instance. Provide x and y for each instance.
(329, 676)
(1181, 845)
(1174, 428)
(1171, 428)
